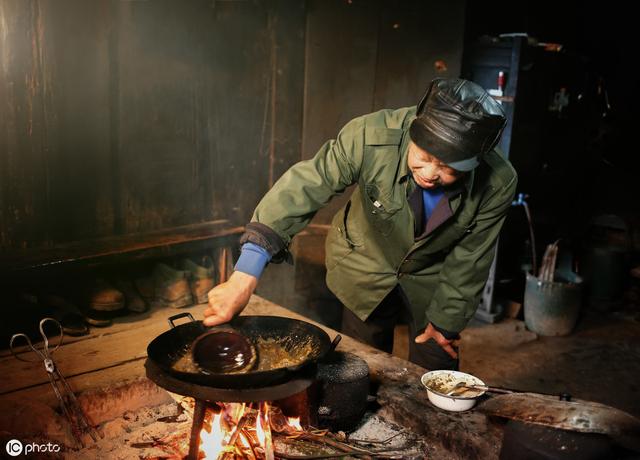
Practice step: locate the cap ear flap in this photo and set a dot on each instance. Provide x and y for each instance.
(423, 101)
(487, 146)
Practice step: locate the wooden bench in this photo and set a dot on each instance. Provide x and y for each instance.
(116, 249)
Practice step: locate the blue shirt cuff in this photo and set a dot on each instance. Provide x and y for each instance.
(252, 260)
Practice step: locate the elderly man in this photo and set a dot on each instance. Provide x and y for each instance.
(416, 239)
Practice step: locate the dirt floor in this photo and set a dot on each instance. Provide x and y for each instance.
(599, 361)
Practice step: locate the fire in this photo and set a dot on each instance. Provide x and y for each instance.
(243, 431)
(294, 422)
(213, 441)
(262, 437)
(263, 431)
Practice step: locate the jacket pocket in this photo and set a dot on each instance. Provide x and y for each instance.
(380, 209)
(339, 243)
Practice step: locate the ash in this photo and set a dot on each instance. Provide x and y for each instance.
(155, 432)
(385, 434)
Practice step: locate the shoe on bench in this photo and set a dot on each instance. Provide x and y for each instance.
(103, 296)
(201, 277)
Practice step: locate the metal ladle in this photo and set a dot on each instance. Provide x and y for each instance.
(461, 387)
(224, 351)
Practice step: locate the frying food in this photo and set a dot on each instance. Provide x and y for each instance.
(272, 353)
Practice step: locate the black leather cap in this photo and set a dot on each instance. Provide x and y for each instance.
(457, 122)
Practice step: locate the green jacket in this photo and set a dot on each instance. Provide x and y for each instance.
(371, 245)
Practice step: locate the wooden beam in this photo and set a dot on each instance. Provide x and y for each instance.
(17, 260)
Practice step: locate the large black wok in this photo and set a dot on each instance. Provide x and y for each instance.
(166, 349)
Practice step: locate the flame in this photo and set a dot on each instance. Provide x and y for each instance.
(213, 441)
(260, 430)
(245, 442)
(235, 411)
(266, 426)
(294, 422)
(219, 436)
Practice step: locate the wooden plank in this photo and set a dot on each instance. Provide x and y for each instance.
(287, 23)
(341, 59)
(426, 32)
(75, 76)
(341, 44)
(128, 117)
(155, 314)
(197, 121)
(96, 352)
(81, 357)
(96, 379)
(87, 250)
(54, 123)
(239, 108)
(24, 193)
(159, 56)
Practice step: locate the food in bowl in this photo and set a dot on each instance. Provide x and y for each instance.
(439, 383)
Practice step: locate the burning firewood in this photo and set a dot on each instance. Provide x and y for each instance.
(263, 432)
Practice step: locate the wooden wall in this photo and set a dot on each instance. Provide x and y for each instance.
(363, 56)
(123, 117)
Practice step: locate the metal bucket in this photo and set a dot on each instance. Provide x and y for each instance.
(552, 308)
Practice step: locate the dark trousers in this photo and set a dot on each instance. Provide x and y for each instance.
(377, 331)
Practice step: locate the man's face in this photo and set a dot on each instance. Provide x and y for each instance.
(428, 171)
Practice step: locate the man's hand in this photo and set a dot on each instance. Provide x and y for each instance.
(228, 299)
(432, 333)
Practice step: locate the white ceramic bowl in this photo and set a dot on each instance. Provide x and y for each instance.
(438, 383)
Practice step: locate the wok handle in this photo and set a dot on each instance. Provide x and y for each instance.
(171, 319)
(335, 342)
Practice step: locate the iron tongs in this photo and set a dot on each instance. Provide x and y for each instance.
(67, 399)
